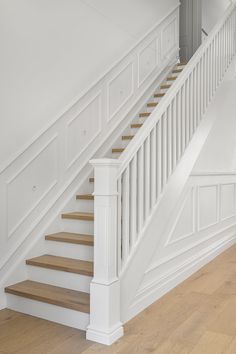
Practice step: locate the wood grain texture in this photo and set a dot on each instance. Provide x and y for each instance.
(62, 264)
(136, 125)
(177, 71)
(78, 215)
(144, 114)
(85, 197)
(172, 78)
(165, 86)
(67, 237)
(127, 137)
(117, 150)
(197, 317)
(152, 104)
(71, 299)
(159, 95)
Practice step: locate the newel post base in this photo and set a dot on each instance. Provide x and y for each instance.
(105, 326)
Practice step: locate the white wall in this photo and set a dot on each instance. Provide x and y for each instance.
(51, 51)
(219, 151)
(212, 10)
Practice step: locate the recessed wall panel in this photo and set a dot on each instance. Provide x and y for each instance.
(120, 90)
(30, 185)
(83, 129)
(207, 206)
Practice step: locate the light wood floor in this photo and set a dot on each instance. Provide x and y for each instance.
(197, 317)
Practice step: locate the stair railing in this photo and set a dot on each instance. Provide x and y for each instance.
(127, 189)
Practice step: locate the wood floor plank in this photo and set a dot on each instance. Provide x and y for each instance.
(63, 264)
(211, 342)
(225, 322)
(71, 299)
(181, 322)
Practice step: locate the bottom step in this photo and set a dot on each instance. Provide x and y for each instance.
(54, 295)
(64, 306)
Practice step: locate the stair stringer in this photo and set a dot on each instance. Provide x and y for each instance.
(152, 236)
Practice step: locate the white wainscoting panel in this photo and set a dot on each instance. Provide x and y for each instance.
(148, 60)
(169, 38)
(202, 225)
(83, 129)
(185, 221)
(120, 90)
(228, 206)
(207, 206)
(30, 185)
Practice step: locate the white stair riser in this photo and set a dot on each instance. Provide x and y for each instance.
(69, 250)
(58, 278)
(84, 205)
(48, 312)
(78, 226)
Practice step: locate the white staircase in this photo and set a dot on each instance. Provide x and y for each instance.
(81, 279)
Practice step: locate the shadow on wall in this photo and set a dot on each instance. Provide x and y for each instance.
(212, 10)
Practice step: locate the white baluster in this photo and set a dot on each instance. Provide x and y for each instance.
(140, 188)
(133, 202)
(147, 177)
(153, 166)
(179, 126)
(125, 242)
(175, 133)
(164, 150)
(159, 157)
(170, 123)
(183, 116)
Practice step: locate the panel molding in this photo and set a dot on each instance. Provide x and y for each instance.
(113, 114)
(199, 188)
(234, 201)
(10, 232)
(156, 41)
(99, 97)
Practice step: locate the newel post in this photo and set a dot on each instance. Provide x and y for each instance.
(105, 326)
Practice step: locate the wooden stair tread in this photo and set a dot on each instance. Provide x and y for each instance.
(136, 125)
(159, 94)
(152, 104)
(144, 114)
(127, 137)
(71, 299)
(78, 215)
(117, 150)
(182, 64)
(177, 71)
(165, 86)
(64, 264)
(85, 197)
(172, 78)
(68, 237)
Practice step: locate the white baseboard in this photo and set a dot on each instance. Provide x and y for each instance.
(104, 337)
